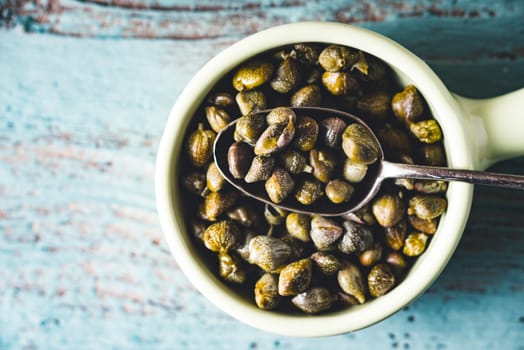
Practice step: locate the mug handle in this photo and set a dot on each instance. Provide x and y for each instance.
(498, 125)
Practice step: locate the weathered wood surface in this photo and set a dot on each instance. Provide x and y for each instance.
(83, 261)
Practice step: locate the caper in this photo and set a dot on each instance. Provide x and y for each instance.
(372, 255)
(239, 157)
(361, 64)
(298, 226)
(307, 54)
(354, 172)
(308, 191)
(359, 145)
(195, 182)
(279, 185)
(274, 215)
(427, 207)
(286, 77)
(325, 232)
(252, 74)
(298, 248)
(394, 141)
(307, 96)
(230, 269)
(332, 129)
(415, 244)
(432, 154)
(336, 57)
(214, 179)
(221, 236)
(314, 76)
(323, 163)
(427, 131)
(407, 105)
(217, 118)
(380, 280)
(266, 292)
(356, 238)
(274, 138)
(339, 191)
(340, 83)
(260, 169)
(397, 261)
(350, 281)
(376, 69)
(314, 300)
(216, 203)
(328, 264)
(375, 105)
(396, 234)
(249, 127)
(200, 146)
(295, 277)
(388, 209)
(198, 228)
(251, 101)
(362, 216)
(408, 184)
(294, 161)
(280, 115)
(428, 226)
(306, 133)
(221, 99)
(430, 186)
(244, 215)
(269, 253)
(242, 249)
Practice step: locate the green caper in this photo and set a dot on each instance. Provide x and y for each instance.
(323, 162)
(308, 191)
(328, 264)
(340, 83)
(216, 203)
(306, 133)
(217, 118)
(336, 57)
(415, 244)
(195, 182)
(407, 105)
(356, 238)
(339, 191)
(266, 292)
(332, 129)
(214, 179)
(396, 234)
(359, 144)
(325, 232)
(249, 127)
(294, 161)
(274, 215)
(313, 300)
(380, 280)
(375, 105)
(287, 76)
(408, 184)
(252, 75)
(221, 99)
(428, 226)
(371, 255)
(307, 96)
(269, 253)
(244, 215)
(430, 186)
(388, 209)
(427, 207)
(427, 131)
(432, 154)
(230, 268)
(200, 146)
(221, 236)
(279, 185)
(274, 138)
(239, 157)
(280, 115)
(354, 172)
(251, 101)
(295, 277)
(306, 54)
(298, 226)
(260, 169)
(350, 281)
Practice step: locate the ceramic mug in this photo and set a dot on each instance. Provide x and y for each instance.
(477, 133)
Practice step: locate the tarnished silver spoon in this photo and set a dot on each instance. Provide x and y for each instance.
(365, 190)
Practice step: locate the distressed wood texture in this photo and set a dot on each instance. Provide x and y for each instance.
(85, 91)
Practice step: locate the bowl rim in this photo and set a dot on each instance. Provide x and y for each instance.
(428, 266)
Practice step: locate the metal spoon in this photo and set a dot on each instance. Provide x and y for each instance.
(368, 188)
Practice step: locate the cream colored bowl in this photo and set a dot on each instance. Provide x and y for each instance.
(476, 134)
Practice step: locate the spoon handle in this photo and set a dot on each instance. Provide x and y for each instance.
(399, 170)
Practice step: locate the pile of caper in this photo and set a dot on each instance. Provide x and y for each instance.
(294, 262)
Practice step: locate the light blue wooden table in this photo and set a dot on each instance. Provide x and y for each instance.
(85, 91)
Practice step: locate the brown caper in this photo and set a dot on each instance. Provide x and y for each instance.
(195, 182)
(260, 169)
(230, 268)
(314, 300)
(332, 129)
(430, 186)
(375, 105)
(359, 144)
(394, 141)
(325, 232)
(427, 131)
(221, 99)
(266, 292)
(323, 162)
(397, 261)
(396, 234)
(307, 96)
(362, 216)
(328, 264)
(340, 83)
(295, 277)
(274, 138)
(354, 172)
(214, 179)
(356, 238)
(252, 74)
(298, 226)
(216, 203)
(239, 157)
(407, 105)
(415, 244)
(279, 185)
(217, 118)
(244, 215)
(251, 101)
(198, 228)
(339, 191)
(307, 54)
(249, 127)
(388, 209)
(221, 236)
(294, 161)
(432, 154)
(380, 280)
(308, 191)
(336, 57)
(269, 253)
(372, 255)
(428, 226)
(376, 69)
(274, 215)
(427, 207)
(287, 76)
(200, 146)
(306, 133)
(350, 281)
